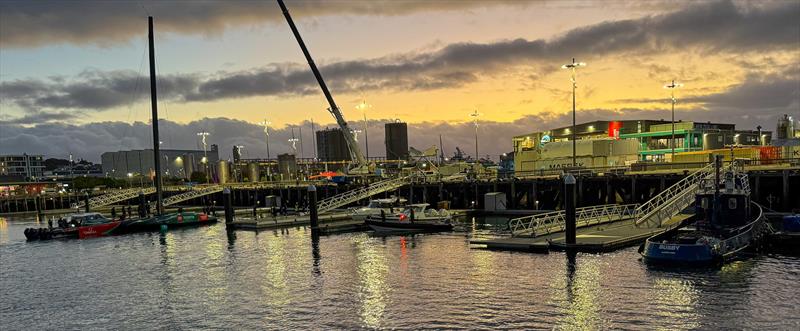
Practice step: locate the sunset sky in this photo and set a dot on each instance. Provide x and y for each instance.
(73, 75)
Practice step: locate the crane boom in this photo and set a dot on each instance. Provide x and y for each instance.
(355, 151)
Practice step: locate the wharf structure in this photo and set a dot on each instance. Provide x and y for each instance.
(176, 162)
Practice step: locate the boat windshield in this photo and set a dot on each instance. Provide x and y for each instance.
(89, 219)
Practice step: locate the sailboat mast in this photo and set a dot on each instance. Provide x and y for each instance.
(154, 106)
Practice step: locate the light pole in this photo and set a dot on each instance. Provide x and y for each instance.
(474, 116)
(363, 107)
(672, 88)
(203, 136)
(266, 124)
(573, 68)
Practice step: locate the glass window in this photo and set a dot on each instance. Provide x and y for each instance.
(732, 203)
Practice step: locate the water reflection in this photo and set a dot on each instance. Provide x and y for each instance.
(577, 294)
(372, 270)
(3, 231)
(676, 299)
(274, 282)
(315, 253)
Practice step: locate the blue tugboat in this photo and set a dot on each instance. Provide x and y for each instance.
(725, 223)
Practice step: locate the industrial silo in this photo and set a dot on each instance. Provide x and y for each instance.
(224, 172)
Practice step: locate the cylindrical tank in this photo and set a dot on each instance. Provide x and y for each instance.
(224, 172)
(253, 172)
(785, 128)
(188, 165)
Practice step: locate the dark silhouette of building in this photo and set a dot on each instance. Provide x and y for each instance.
(331, 145)
(396, 141)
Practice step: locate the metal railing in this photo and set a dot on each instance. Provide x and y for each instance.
(192, 194)
(352, 196)
(542, 224)
(675, 198)
(114, 197)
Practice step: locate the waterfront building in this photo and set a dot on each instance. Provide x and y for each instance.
(21, 167)
(693, 137)
(174, 162)
(396, 135)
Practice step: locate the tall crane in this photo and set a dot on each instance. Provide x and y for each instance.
(360, 162)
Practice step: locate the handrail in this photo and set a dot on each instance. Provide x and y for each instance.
(351, 196)
(192, 194)
(675, 198)
(546, 223)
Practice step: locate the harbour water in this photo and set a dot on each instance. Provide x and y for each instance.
(206, 278)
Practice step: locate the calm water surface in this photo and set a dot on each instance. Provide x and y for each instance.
(204, 278)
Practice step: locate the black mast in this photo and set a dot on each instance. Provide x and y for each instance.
(154, 106)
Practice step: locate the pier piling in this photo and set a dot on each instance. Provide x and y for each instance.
(228, 201)
(312, 208)
(569, 201)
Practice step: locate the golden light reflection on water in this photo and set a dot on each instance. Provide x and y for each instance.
(372, 271)
(676, 300)
(215, 273)
(3, 230)
(577, 295)
(274, 285)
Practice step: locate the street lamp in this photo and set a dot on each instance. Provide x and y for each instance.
(266, 124)
(363, 107)
(355, 134)
(573, 68)
(672, 88)
(474, 116)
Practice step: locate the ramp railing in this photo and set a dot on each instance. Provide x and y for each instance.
(192, 194)
(352, 196)
(675, 198)
(114, 197)
(542, 224)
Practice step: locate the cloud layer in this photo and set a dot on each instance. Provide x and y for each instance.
(707, 27)
(26, 23)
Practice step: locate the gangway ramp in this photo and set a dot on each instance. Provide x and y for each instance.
(547, 223)
(192, 194)
(670, 202)
(352, 196)
(114, 197)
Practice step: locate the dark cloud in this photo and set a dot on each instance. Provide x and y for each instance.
(35, 23)
(708, 26)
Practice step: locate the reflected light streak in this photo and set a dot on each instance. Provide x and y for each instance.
(372, 270)
(274, 284)
(578, 296)
(676, 300)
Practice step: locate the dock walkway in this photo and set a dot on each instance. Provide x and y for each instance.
(595, 238)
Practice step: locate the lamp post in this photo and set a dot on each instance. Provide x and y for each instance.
(573, 68)
(266, 124)
(363, 107)
(672, 88)
(203, 136)
(474, 116)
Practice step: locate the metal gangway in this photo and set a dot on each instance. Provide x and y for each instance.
(547, 223)
(352, 196)
(192, 194)
(114, 197)
(676, 198)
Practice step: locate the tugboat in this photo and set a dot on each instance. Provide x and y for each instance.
(81, 225)
(725, 223)
(416, 217)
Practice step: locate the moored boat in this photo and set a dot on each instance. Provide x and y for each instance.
(725, 224)
(80, 225)
(416, 217)
(374, 207)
